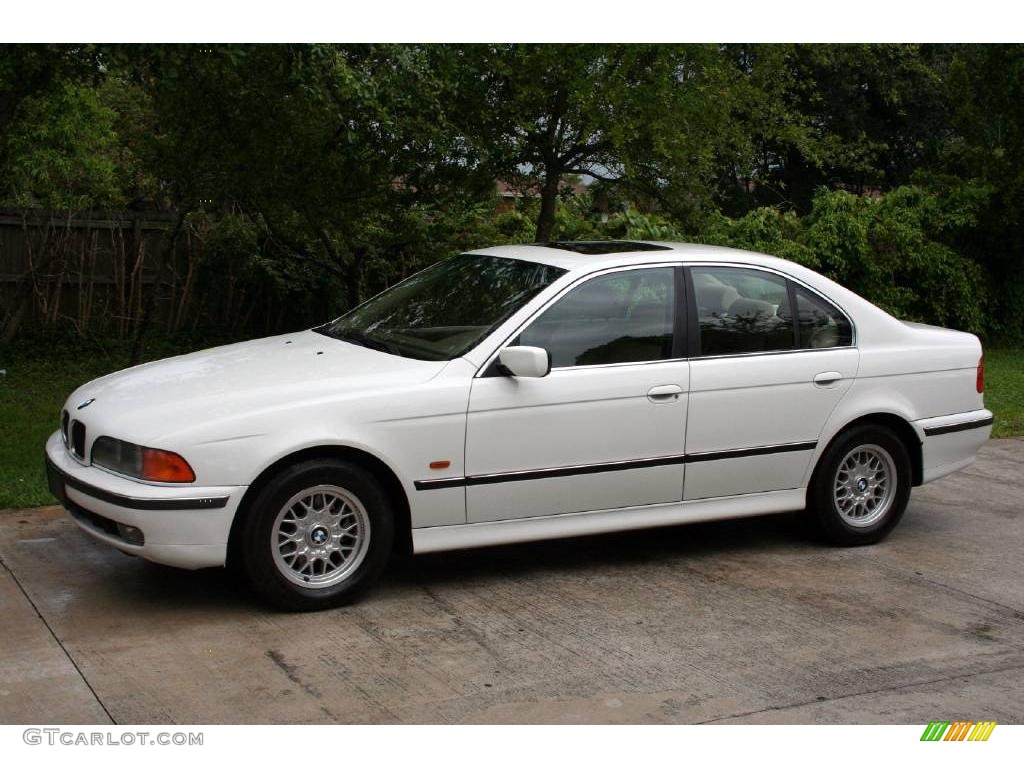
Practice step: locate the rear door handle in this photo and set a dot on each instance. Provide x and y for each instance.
(827, 379)
(666, 393)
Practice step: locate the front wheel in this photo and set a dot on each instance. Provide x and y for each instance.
(317, 535)
(861, 486)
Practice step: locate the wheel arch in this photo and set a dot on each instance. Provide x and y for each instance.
(900, 426)
(377, 467)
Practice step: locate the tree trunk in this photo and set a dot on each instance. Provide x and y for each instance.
(351, 270)
(151, 297)
(10, 330)
(354, 283)
(548, 201)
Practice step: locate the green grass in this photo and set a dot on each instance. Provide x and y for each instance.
(35, 387)
(31, 395)
(1004, 390)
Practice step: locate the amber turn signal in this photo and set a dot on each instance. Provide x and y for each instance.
(165, 467)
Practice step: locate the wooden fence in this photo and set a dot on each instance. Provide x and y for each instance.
(90, 274)
(88, 271)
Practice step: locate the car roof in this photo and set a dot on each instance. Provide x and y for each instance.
(591, 255)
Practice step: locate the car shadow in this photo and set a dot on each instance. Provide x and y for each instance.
(622, 548)
(218, 589)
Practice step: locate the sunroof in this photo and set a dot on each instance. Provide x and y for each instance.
(601, 247)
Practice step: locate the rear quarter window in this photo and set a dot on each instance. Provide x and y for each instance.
(820, 324)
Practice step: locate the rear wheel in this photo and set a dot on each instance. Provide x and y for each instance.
(317, 535)
(861, 487)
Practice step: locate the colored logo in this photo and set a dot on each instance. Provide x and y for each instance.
(958, 730)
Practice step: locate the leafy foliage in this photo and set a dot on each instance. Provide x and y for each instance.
(891, 250)
(311, 176)
(648, 116)
(63, 152)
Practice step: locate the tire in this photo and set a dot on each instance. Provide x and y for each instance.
(316, 536)
(861, 486)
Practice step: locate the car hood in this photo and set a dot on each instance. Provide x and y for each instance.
(154, 400)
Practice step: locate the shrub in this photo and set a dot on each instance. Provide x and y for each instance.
(894, 250)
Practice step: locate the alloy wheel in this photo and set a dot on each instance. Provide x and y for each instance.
(865, 485)
(320, 536)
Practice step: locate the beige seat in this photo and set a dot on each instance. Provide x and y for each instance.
(715, 300)
(825, 337)
(751, 308)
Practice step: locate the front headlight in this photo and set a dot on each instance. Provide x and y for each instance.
(141, 462)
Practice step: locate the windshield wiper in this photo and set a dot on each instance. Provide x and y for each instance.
(380, 346)
(355, 337)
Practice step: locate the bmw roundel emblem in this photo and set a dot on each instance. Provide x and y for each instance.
(88, 402)
(319, 535)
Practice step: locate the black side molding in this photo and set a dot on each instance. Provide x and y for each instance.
(962, 427)
(58, 480)
(614, 466)
(739, 453)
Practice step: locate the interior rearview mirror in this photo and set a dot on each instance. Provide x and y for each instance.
(527, 362)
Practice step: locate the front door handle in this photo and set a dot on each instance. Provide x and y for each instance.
(666, 393)
(827, 379)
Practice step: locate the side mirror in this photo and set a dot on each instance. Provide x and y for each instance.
(527, 362)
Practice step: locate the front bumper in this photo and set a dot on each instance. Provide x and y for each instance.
(182, 526)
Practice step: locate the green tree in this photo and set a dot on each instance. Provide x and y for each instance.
(984, 156)
(648, 116)
(63, 152)
(318, 174)
(28, 71)
(322, 145)
(855, 117)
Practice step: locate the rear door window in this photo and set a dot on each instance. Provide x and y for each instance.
(741, 311)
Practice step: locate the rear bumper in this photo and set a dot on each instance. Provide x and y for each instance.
(949, 443)
(186, 527)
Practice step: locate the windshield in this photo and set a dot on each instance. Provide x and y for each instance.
(445, 310)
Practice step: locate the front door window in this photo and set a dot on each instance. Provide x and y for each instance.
(621, 317)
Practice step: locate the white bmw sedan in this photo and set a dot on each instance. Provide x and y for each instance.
(521, 393)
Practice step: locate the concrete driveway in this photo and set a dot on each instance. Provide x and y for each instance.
(740, 621)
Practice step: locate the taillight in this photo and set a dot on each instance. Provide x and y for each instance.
(980, 384)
